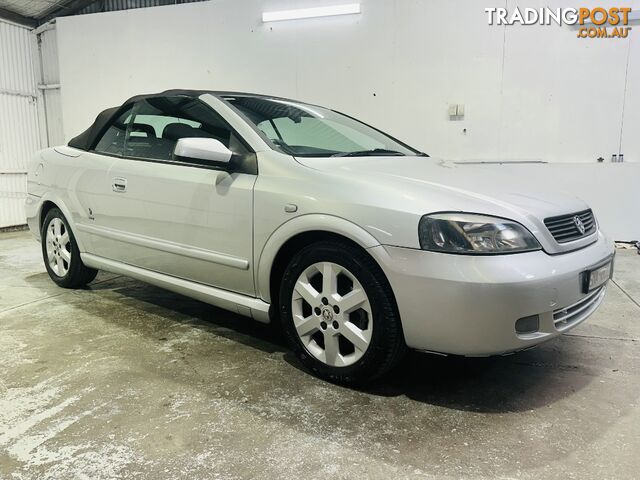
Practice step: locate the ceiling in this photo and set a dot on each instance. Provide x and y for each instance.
(36, 12)
(32, 8)
(33, 12)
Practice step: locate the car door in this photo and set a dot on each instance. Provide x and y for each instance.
(182, 219)
(89, 186)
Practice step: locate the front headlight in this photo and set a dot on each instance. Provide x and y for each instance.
(474, 234)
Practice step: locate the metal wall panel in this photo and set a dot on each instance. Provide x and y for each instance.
(12, 188)
(55, 130)
(113, 5)
(49, 52)
(19, 133)
(16, 60)
(50, 86)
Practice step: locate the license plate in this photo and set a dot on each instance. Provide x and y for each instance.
(597, 277)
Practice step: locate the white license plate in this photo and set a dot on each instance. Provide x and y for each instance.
(598, 276)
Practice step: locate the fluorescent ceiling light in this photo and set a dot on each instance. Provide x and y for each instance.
(347, 9)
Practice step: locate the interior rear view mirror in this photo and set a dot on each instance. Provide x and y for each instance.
(207, 151)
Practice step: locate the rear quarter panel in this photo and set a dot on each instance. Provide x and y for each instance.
(61, 175)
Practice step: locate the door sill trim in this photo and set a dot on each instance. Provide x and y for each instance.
(234, 302)
(169, 247)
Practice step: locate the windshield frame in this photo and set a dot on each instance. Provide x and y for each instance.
(227, 95)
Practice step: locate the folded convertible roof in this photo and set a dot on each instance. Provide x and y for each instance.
(87, 139)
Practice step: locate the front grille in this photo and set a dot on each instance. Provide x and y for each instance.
(565, 228)
(566, 317)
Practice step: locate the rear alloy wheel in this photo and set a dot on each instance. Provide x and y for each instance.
(61, 254)
(339, 313)
(58, 245)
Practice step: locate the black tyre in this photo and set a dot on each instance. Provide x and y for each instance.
(60, 252)
(339, 314)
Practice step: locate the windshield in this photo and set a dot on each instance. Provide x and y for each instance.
(311, 131)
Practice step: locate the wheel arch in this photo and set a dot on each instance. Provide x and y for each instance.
(46, 206)
(48, 202)
(290, 237)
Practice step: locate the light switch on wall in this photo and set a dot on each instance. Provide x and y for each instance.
(456, 111)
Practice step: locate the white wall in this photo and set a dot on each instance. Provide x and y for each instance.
(531, 93)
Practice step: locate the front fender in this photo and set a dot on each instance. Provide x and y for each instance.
(301, 224)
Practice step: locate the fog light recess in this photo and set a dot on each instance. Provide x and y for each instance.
(530, 324)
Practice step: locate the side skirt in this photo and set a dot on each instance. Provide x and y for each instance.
(234, 302)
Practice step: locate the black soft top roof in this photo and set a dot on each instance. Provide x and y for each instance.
(87, 139)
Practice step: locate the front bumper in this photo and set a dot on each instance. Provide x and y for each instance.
(469, 305)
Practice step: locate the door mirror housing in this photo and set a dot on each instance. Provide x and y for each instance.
(206, 151)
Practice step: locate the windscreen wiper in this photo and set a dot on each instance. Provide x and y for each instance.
(366, 153)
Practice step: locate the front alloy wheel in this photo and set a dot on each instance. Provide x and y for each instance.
(332, 314)
(339, 314)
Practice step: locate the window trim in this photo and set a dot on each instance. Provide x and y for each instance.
(180, 163)
(132, 106)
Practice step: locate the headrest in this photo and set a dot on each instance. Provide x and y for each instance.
(174, 131)
(143, 127)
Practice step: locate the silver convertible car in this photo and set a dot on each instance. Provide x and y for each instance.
(357, 244)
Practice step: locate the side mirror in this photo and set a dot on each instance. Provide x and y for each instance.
(207, 151)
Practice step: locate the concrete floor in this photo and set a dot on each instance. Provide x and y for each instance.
(124, 380)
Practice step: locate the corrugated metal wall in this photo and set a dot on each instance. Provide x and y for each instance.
(19, 131)
(50, 86)
(113, 5)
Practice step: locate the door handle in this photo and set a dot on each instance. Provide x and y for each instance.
(119, 184)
